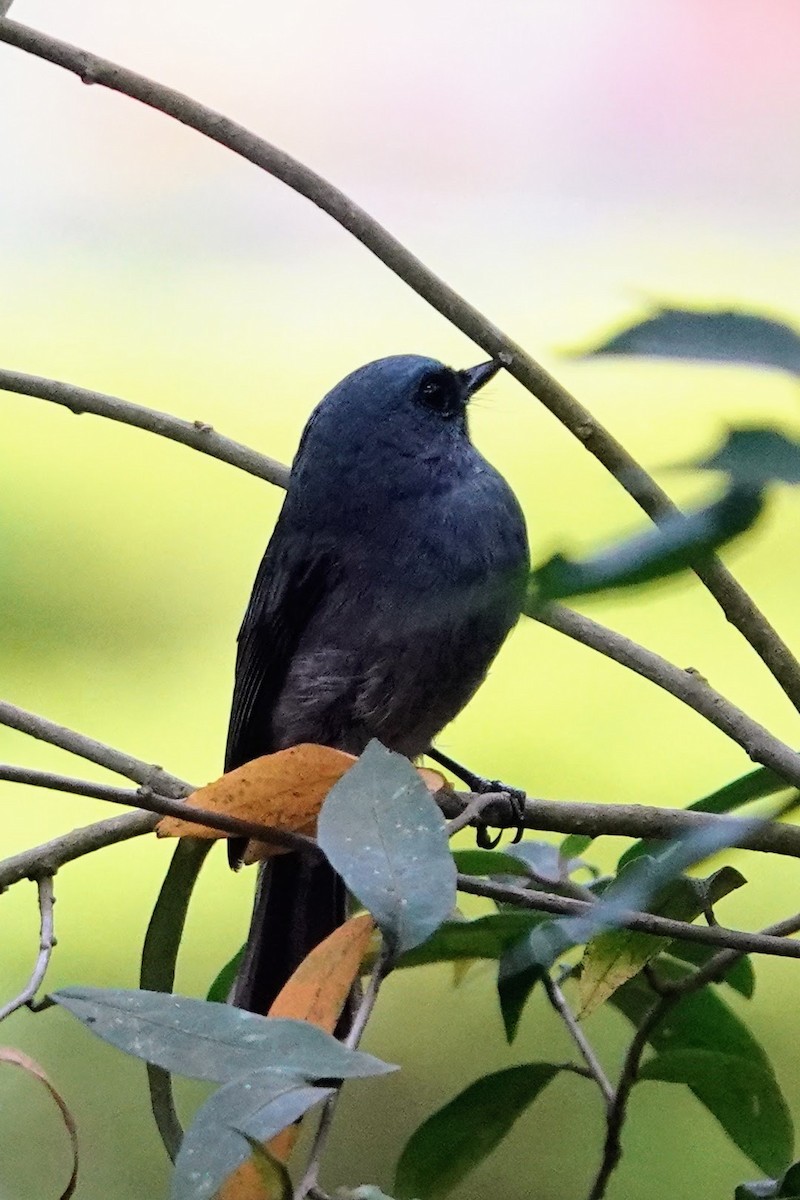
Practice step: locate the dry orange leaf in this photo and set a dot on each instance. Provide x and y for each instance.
(318, 989)
(285, 789)
(317, 993)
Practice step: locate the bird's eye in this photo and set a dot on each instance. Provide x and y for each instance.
(440, 394)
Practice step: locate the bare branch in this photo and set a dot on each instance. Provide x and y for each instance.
(737, 605)
(626, 820)
(46, 858)
(474, 807)
(46, 943)
(308, 1183)
(617, 1112)
(164, 806)
(97, 752)
(195, 434)
(716, 935)
(593, 1065)
(758, 743)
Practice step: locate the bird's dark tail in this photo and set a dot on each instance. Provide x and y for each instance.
(299, 901)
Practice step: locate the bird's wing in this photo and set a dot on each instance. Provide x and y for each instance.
(290, 583)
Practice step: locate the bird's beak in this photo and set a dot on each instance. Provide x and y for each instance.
(476, 377)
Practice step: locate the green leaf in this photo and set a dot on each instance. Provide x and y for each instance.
(485, 937)
(740, 975)
(543, 860)
(710, 335)
(742, 1095)
(678, 543)
(212, 1041)
(259, 1104)
(518, 973)
(385, 835)
(487, 862)
(790, 1184)
(221, 987)
(157, 974)
(699, 1021)
(755, 457)
(753, 786)
(574, 844)
(455, 1139)
(759, 1189)
(617, 955)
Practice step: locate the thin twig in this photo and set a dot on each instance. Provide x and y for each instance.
(718, 966)
(758, 743)
(617, 1112)
(472, 809)
(717, 935)
(46, 858)
(150, 801)
(97, 752)
(309, 1181)
(669, 993)
(195, 434)
(593, 1065)
(737, 605)
(46, 943)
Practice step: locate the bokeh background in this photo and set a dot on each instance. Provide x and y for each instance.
(565, 165)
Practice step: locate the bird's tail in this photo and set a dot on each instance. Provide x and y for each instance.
(299, 901)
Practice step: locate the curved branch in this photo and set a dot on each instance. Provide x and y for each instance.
(737, 605)
(758, 743)
(46, 943)
(195, 434)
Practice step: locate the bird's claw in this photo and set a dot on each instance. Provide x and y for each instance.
(516, 803)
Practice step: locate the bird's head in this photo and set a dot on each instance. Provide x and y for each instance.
(406, 405)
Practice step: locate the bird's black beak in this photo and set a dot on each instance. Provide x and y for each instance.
(476, 377)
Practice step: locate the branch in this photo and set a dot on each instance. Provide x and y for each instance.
(196, 434)
(148, 800)
(97, 752)
(758, 743)
(308, 1184)
(625, 820)
(594, 1068)
(46, 943)
(718, 966)
(91, 69)
(46, 858)
(617, 1112)
(713, 935)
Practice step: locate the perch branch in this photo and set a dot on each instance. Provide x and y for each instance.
(737, 605)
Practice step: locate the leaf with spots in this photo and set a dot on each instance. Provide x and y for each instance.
(384, 834)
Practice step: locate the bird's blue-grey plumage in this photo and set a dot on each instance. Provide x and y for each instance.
(394, 573)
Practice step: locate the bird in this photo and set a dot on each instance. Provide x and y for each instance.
(395, 571)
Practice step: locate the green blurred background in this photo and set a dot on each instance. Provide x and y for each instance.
(563, 165)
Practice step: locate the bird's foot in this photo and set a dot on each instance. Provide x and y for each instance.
(516, 802)
(481, 787)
